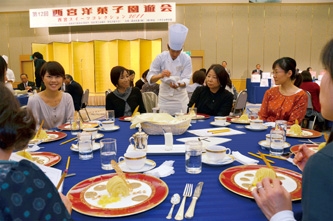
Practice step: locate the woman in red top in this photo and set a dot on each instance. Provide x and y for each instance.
(285, 101)
(313, 88)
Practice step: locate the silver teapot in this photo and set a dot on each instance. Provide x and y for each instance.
(139, 140)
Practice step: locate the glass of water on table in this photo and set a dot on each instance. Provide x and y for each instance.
(193, 153)
(277, 142)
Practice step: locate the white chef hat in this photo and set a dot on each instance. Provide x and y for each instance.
(177, 36)
(6, 58)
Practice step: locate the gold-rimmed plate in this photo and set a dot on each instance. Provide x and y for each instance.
(84, 125)
(51, 136)
(45, 158)
(238, 121)
(148, 192)
(239, 179)
(306, 133)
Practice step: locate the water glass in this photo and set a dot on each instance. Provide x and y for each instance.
(282, 125)
(109, 115)
(75, 125)
(193, 153)
(85, 144)
(108, 152)
(277, 142)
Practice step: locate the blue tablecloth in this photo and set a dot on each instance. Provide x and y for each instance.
(215, 203)
(255, 92)
(23, 99)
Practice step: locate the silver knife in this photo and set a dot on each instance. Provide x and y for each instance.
(197, 192)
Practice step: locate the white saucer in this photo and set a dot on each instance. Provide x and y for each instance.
(265, 145)
(98, 136)
(227, 160)
(150, 164)
(115, 127)
(263, 127)
(75, 148)
(219, 124)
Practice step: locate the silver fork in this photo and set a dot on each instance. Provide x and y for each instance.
(187, 193)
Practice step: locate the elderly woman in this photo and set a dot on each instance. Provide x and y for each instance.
(26, 193)
(52, 105)
(286, 101)
(124, 99)
(317, 179)
(213, 99)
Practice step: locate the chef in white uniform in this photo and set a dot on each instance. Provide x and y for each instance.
(174, 69)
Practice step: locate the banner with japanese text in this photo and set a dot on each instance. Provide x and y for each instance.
(103, 14)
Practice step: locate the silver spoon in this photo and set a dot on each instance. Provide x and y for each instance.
(175, 199)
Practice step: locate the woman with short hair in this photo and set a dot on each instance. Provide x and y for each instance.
(125, 98)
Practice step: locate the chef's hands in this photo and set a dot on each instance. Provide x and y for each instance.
(177, 85)
(165, 73)
(271, 197)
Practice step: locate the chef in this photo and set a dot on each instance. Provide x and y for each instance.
(174, 69)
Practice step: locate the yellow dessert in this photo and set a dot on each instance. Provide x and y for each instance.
(321, 145)
(117, 188)
(24, 154)
(42, 135)
(296, 129)
(244, 117)
(262, 173)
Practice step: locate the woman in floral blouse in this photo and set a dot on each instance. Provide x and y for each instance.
(285, 101)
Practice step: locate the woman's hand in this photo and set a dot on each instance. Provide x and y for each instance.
(271, 197)
(302, 156)
(67, 203)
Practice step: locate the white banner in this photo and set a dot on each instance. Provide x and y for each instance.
(103, 14)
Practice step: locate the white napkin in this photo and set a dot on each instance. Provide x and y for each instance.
(164, 170)
(244, 159)
(270, 124)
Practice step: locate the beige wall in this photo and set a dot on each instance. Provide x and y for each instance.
(241, 34)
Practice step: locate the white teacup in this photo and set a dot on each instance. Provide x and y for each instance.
(134, 160)
(108, 124)
(220, 120)
(268, 139)
(92, 131)
(256, 124)
(217, 153)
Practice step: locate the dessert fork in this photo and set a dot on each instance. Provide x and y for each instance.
(187, 193)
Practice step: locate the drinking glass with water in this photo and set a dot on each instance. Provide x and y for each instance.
(193, 153)
(277, 142)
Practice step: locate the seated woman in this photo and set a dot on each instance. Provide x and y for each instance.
(213, 99)
(52, 105)
(314, 89)
(231, 88)
(124, 99)
(198, 78)
(26, 193)
(285, 101)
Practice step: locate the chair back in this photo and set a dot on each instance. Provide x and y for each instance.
(85, 98)
(240, 103)
(150, 100)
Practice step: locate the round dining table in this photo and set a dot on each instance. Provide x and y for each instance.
(215, 202)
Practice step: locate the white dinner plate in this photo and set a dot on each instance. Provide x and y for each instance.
(149, 164)
(265, 145)
(98, 136)
(263, 127)
(75, 147)
(115, 127)
(219, 124)
(227, 160)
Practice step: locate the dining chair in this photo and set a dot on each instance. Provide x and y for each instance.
(311, 116)
(240, 103)
(150, 100)
(84, 103)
